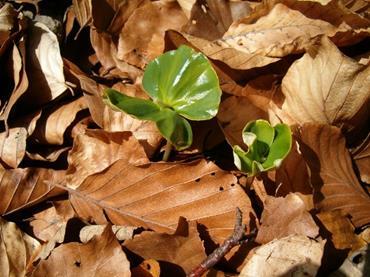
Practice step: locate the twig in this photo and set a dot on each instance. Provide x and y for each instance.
(167, 151)
(223, 249)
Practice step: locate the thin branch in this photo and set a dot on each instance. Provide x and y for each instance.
(223, 249)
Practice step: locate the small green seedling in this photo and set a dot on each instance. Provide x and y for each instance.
(182, 85)
(267, 147)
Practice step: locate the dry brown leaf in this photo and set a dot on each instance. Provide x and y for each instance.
(13, 146)
(16, 249)
(286, 216)
(148, 268)
(361, 157)
(121, 232)
(142, 38)
(294, 255)
(102, 256)
(53, 124)
(184, 251)
(83, 11)
(95, 150)
(332, 177)
(44, 66)
(342, 231)
(23, 187)
(210, 19)
(327, 87)
(283, 31)
(155, 196)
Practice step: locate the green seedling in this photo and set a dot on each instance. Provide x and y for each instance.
(181, 85)
(267, 147)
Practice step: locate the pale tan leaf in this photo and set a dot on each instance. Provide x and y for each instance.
(142, 37)
(95, 150)
(186, 6)
(286, 216)
(332, 177)
(290, 255)
(7, 21)
(83, 11)
(121, 232)
(22, 187)
(16, 249)
(45, 66)
(327, 87)
(156, 195)
(13, 146)
(53, 124)
(102, 256)
(184, 251)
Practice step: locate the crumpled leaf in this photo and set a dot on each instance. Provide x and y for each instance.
(82, 259)
(290, 255)
(95, 150)
(186, 251)
(332, 177)
(22, 187)
(121, 232)
(16, 249)
(327, 87)
(286, 216)
(155, 196)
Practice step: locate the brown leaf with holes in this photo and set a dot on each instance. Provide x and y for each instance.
(82, 259)
(143, 196)
(335, 184)
(284, 216)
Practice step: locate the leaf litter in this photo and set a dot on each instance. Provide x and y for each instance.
(72, 169)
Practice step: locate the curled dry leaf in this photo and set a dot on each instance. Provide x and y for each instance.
(22, 187)
(13, 146)
(184, 251)
(155, 196)
(45, 66)
(95, 150)
(324, 86)
(82, 10)
(286, 216)
(142, 38)
(51, 127)
(283, 31)
(121, 232)
(82, 259)
(332, 177)
(16, 249)
(290, 255)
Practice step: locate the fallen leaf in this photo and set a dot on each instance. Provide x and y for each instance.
(184, 251)
(283, 217)
(156, 195)
(16, 249)
(332, 177)
(82, 259)
(327, 87)
(95, 150)
(83, 11)
(121, 232)
(23, 187)
(13, 146)
(8, 17)
(361, 157)
(290, 255)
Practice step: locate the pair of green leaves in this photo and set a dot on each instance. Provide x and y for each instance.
(182, 85)
(267, 147)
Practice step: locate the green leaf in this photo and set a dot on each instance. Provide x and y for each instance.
(139, 108)
(185, 81)
(175, 129)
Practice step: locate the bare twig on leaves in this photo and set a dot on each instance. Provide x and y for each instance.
(223, 249)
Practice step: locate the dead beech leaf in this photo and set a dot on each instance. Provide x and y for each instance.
(45, 66)
(95, 150)
(286, 216)
(283, 31)
(327, 87)
(16, 249)
(290, 255)
(156, 195)
(52, 125)
(342, 231)
(332, 177)
(361, 157)
(13, 146)
(102, 256)
(121, 232)
(184, 251)
(22, 187)
(142, 38)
